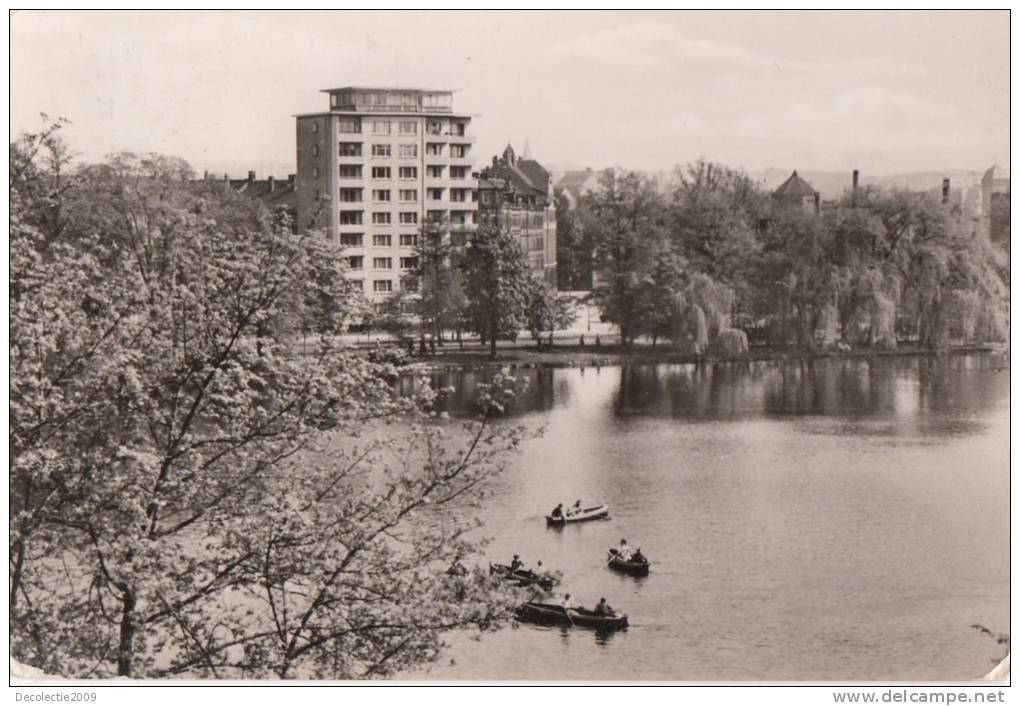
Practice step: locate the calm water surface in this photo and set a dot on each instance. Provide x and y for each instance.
(825, 520)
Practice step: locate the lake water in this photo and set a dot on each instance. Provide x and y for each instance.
(837, 519)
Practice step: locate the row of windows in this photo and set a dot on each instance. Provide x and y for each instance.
(357, 262)
(354, 149)
(379, 240)
(380, 286)
(354, 171)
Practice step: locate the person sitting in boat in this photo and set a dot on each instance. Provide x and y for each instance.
(638, 557)
(575, 508)
(557, 513)
(604, 609)
(567, 603)
(624, 551)
(516, 563)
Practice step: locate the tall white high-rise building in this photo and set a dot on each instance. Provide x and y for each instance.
(373, 168)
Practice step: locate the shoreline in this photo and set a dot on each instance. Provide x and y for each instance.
(612, 355)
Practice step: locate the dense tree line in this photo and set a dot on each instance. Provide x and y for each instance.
(188, 496)
(716, 259)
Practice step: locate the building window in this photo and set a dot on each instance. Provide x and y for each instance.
(458, 151)
(457, 129)
(408, 127)
(409, 172)
(380, 150)
(350, 195)
(408, 263)
(356, 262)
(315, 172)
(348, 126)
(537, 243)
(488, 197)
(350, 171)
(408, 240)
(381, 218)
(408, 218)
(315, 150)
(315, 127)
(382, 285)
(352, 240)
(381, 195)
(459, 172)
(408, 150)
(434, 171)
(408, 195)
(434, 194)
(434, 127)
(380, 127)
(458, 195)
(382, 240)
(382, 263)
(350, 149)
(350, 218)
(458, 218)
(434, 149)
(380, 172)
(409, 284)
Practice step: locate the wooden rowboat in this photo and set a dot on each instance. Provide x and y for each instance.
(552, 614)
(522, 577)
(634, 568)
(596, 512)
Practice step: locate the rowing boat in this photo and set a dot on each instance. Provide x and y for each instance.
(596, 512)
(522, 577)
(552, 614)
(634, 568)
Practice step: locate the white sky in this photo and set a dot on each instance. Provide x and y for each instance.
(884, 92)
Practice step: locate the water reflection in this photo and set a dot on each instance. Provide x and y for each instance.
(840, 519)
(893, 387)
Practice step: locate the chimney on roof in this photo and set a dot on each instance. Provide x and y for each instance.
(857, 176)
(205, 175)
(272, 184)
(290, 180)
(945, 191)
(251, 176)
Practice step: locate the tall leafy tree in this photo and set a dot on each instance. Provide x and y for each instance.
(187, 496)
(626, 219)
(497, 282)
(438, 280)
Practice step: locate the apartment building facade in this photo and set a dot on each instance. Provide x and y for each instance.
(516, 194)
(374, 167)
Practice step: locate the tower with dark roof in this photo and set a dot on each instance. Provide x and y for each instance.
(516, 193)
(797, 193)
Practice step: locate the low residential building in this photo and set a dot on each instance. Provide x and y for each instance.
(797, 193)
(516, 193)
(575, 184)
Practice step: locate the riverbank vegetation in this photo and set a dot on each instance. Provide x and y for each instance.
(187, 496)
(717, 263)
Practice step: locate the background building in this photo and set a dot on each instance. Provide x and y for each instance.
(374, 167)
(995, 205)
(517, 193)
(797, 193)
